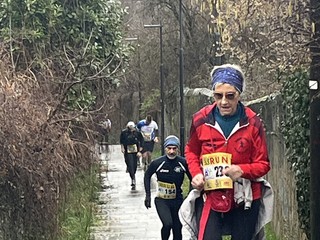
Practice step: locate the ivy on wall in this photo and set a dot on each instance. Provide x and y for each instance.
(295, 129)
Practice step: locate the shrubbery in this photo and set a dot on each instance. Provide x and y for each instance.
(56, 59)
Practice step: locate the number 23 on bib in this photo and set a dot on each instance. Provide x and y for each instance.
(212, 165)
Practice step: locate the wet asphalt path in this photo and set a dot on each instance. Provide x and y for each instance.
(121, 211)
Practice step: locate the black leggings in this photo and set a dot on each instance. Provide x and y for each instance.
(131, 162)
(168, 213)
(238, 223)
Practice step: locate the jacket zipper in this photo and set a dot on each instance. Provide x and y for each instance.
(221, 132)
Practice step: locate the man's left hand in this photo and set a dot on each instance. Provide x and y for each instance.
(147, 202)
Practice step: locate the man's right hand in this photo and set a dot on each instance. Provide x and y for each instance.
(122, 149)
(147, 202)
(198, 181)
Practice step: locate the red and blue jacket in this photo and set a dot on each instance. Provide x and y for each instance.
(246, 143)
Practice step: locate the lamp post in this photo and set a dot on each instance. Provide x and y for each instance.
(161, 83)
(181, 78)
(314, 117)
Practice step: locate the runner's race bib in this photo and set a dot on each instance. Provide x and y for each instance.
(132, 148)
(147, 137)
(166, 190)
(213, 164)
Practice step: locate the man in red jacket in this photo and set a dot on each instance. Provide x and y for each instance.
(227, 142)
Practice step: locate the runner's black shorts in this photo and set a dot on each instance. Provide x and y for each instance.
(148, 147)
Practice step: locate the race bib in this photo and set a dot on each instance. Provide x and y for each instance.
(132, 148)
(213, 164)
(147, 137)
(166, 190)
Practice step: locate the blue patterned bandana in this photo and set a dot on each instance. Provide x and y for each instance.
(228, 75)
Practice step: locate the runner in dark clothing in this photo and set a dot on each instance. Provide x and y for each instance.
(131, 142)
(170, 170)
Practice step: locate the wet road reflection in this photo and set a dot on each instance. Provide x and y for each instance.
(121, 212)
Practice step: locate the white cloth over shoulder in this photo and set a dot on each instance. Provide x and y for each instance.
(243, 193)
(187, 214)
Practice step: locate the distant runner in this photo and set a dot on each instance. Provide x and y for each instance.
(131, 142)
(149, 129)
(104, 128)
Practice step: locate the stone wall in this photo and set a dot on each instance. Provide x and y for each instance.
(285, 218)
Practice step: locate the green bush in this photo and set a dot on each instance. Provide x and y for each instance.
(295, 129)
(77, 213)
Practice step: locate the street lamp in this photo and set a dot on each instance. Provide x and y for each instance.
(161, 83)
(181, 81)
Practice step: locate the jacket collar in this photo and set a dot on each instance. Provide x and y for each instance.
(210, 119)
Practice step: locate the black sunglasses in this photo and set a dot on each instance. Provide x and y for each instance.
(229, 95)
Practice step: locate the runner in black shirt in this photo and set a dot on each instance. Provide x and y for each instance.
(170, 170)
(131, 142)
